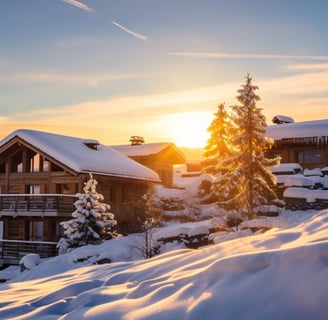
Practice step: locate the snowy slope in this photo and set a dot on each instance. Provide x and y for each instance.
(281, 274)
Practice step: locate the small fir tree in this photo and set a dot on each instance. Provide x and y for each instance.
(219, 143)
(92, 222)
(219, 147)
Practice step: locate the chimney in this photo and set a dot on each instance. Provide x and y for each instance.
(136, 140)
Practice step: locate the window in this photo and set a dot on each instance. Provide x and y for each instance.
(36, 230)
(1, 229)
(45, 165)
(33, 189)
(35, 163)
(17, 163)
(308, 157)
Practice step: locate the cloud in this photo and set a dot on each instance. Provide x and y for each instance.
(223, 55)
(79, 4)
(132, 33)
(309, 67)
(55, 77)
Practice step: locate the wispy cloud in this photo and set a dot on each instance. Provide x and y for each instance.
(132, 33)
(79, 4)
(225, 55)
(309, 67)
(67, 78)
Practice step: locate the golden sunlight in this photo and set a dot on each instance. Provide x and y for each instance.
(189, 129)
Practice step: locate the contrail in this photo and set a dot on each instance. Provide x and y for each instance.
(221, 55)
(79, 4)
(132, 33)
(83, 6)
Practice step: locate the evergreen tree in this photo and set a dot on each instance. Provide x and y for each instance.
(219, 143)
(92, 222)
(243, 179)
(218, 148)
(254, 180)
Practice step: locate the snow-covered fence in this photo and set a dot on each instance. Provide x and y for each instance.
(305, 199)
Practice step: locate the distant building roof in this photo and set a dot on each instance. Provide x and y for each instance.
(83, 155)
(315, 128)
(279, 119)
(146, 149)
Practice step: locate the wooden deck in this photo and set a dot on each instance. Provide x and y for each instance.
(12, 251)
(36, 204)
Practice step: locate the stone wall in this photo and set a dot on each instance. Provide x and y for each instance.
(302, 204)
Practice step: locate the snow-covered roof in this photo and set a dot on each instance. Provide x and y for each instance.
(146, 149)
(315, 128)
(282, 119)
(76, 155)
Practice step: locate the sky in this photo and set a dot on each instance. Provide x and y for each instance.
(107, 70)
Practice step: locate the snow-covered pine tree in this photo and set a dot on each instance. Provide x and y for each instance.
(92, 222)
(218, 148)
(251, 181)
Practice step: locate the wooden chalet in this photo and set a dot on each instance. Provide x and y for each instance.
(160, 157)
(305, 143)
(40, 174)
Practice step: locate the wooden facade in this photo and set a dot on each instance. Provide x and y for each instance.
(305, 143)
(160, 157)
(38, 190)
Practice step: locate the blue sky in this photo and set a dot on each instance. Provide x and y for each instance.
(109, 69)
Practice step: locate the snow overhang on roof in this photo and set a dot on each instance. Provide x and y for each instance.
(76, 154)
(306, 129)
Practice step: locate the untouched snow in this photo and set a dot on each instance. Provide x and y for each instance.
(280, 274)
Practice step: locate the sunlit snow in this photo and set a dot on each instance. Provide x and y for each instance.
(280, 274)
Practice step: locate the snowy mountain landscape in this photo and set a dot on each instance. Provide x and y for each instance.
(279, 274)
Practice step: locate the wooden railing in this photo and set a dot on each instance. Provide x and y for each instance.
(36, 202)
(12, 251)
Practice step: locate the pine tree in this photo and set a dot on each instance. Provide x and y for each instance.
(254, 181)
(243, 180)
(92, 222)
(219, 143)
(218, 148)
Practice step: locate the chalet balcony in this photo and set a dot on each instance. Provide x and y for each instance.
(36, 204)
(12, 251)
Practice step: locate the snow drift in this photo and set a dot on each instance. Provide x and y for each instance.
(281, 274)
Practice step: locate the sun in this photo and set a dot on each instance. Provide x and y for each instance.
(189, 129)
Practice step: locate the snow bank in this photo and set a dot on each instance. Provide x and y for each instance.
(303, 193)
(30, 261)
(297, 180)
(281, 274)
(312, 172)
